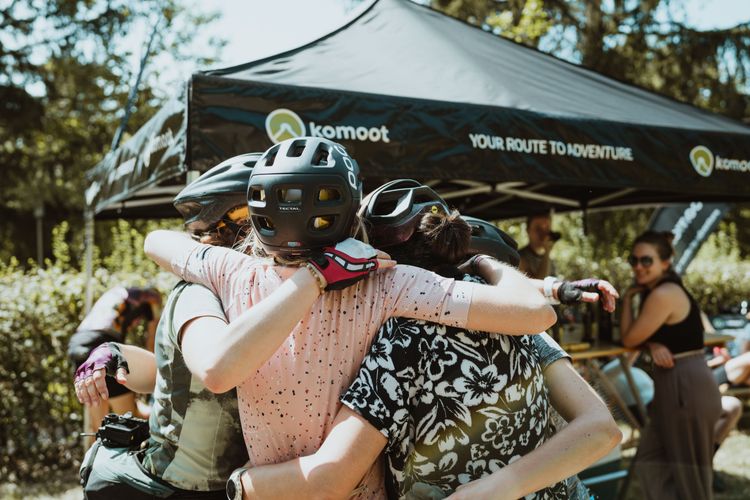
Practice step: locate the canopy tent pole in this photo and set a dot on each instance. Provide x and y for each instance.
(39, 217)
(134, 90)
(88, 243)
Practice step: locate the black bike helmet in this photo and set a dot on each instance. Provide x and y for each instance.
(490, 240)
(394, 210)
(209, 198)
(303, 195)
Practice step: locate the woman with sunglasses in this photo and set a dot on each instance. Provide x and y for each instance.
(676, 448)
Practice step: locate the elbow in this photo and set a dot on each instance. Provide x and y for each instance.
(544, 317)
(628, 341)
(324, 479)
(149, 245)
(605, 432)
(215, 379)
(328, 488)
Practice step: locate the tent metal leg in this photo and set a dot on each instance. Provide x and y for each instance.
(88, 238)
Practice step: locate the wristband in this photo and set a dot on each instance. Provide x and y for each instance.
(316, 274)
(548, 289)
(473, 262)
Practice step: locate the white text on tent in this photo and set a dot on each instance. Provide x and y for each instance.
(549, 147)
(339, 132)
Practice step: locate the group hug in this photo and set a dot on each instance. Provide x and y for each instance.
(325, 344)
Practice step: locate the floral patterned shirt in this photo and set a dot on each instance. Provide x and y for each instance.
(455, 405)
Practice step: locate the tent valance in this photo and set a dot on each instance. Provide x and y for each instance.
(498, 128)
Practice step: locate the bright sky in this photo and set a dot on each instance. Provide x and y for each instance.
(259, 28)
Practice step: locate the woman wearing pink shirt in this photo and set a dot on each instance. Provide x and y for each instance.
(293, 355)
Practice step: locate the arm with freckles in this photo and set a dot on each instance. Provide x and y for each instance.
(223, 355)
(510, 295)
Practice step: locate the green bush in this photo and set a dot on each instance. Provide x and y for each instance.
(39, 310)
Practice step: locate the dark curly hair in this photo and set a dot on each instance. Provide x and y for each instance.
(440, 243)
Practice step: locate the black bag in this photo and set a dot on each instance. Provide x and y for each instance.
(123, 431)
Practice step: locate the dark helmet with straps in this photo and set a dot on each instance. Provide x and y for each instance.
(303, 195)
(212, 197)
(394, 210)
(490, 240)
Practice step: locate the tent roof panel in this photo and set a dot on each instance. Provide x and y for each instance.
(398, 48)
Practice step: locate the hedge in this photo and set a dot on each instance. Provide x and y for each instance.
(40, 308)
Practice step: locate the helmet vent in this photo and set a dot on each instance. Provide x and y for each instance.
(385, 207)
(265, 224)
(329, 194)
(320, 158)
(296, 149)
(290, 195)
(271, 155)
(322, 222)
(257, 196)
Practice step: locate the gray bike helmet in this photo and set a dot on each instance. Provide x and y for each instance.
(490, 240)
(394, 210)
(207, 200)
(303, 195)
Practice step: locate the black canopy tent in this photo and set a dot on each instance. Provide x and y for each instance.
(498, 128)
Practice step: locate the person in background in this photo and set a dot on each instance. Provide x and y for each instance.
(117, 312)
(536, 260)
(195, 436)
(674, 458)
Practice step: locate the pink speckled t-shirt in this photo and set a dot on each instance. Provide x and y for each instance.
(287, 406)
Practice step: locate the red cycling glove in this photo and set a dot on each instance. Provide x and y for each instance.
(345, 264)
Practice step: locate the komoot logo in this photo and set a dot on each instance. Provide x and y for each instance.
(283, 124)
(703, 160)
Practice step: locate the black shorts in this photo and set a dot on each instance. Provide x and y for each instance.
(80, 346)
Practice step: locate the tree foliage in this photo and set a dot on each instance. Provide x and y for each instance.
(40, 308)
(66, 71)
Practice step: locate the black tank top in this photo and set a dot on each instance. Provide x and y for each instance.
(687, 335)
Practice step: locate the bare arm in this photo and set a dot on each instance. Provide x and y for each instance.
(224, 355)
(512, 304)
(590, 434)
(333, 471)
(659, 305)
(142, 366)
(161, 244)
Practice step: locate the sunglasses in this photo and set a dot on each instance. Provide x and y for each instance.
(645, 261)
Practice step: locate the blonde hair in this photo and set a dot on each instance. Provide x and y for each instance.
(227, 235)
(252, 245)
